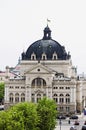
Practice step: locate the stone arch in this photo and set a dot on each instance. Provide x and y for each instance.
(38, 83)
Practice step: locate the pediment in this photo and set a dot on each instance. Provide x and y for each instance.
(39, 68)
(38, 91)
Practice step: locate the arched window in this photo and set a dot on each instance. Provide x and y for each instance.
(61, 98)
(55, 97)
(67, 99)
(39, 83)
(33, 56)
(17, 97)
(61, 95)
(67, 95)
(22, 97)
(54, 56)
(11, 97)
(44, 56)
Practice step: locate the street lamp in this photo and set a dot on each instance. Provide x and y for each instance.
(60, 122)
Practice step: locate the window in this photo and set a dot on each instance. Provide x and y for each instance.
(16, 97)
(38, 82)
(11, 97)
(61, 95)
(67, 109)
(44, 56)
(61, 87)
(10, 86)
(38, 97)
(55, 97)
(22, 97)
(61, 98)
(55, 88)
(38, 69)
(67, 87)
(17, 87)
(33, 56)
(61, 108)
(33, 97)
(44, 94)
(67, 95)
(54, 56)
(67, 100)
(22, 87)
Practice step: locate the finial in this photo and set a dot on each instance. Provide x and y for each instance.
(48, 21)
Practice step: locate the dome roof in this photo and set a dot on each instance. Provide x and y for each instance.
(46, 46)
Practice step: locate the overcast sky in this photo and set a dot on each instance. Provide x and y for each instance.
(22, 22)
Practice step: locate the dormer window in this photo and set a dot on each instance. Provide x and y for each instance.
(33, 56)
(44, 56)
(54, 56)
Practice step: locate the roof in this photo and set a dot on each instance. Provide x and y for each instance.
(46, 46)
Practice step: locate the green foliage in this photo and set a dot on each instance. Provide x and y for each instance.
(2, 85)
(29, 116)
(22, 116)
(28, 113)
(8, 121)
(47, 111)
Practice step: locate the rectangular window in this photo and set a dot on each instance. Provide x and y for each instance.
(67, 109)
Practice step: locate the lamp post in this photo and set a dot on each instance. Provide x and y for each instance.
(60, 122)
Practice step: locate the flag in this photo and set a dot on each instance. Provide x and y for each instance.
(48, 20)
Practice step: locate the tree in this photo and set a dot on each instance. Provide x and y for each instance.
(2, 85)
(30, 116)
(22, 116)
(26, 114)
(11, 121)
(47, 112)
(3, 118)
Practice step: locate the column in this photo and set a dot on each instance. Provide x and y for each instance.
(28, 93)
(51, 93)
(6, 98)
(19, 97)
(74, 100)
(46, 91)
(71, 96)
(14, 97)
(35, 98)
(58, 100)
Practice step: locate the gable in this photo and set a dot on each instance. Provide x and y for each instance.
(39, 69)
